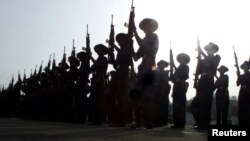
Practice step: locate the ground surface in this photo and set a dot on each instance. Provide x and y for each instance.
(23, 130)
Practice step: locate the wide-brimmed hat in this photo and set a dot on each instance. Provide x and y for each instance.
(73, 59)
(211, 47)
(100, 48)
(81, 55)
(223, 68)
(162, 63)
(149, 25)
(121, 36)
(63, 65)
(246, 64)
(183, 58)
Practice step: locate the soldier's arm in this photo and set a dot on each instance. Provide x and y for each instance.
(202, 53)
(138, 39)
(238, 81)
(92, 59)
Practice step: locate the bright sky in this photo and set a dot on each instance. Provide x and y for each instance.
(31, 30)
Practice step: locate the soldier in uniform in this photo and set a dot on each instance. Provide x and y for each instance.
(162, 89)
(244, 95)
(82, 87)
(222, 96)
(122, 63)
(181, 74)
(148, 47)
(98, 83)
(202, 102)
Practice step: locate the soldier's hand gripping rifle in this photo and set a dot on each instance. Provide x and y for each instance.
(111, 41)
(236, 63)
(197, 71)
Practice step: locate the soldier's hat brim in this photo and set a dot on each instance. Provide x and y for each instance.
(100, 48)
(183, 58)
(64, 65)
(163, 64)
(82, 55)
(149, 25)
(223, 68)
(121, 36)
(73, 59)
(246, 64)
(211, 47)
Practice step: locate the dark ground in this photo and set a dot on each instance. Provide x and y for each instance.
(24, 130)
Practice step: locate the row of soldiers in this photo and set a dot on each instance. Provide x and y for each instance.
(123, 96)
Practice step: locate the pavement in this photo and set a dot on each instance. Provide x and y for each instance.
(26, 130)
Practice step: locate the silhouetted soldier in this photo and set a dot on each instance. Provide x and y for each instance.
(162, 89)
(74, 63)
(222, 96)
(98, 83)
(112, 109)
(202, 103)
(64, 99)
(122, 64)
(244, 95)
(148, 47)
(181, 74)
(82, 87)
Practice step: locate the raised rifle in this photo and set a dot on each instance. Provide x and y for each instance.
(73, 52)
(111, 40)
(64, 55)
(130, 33)
(88, 49)
(171, 59)
(236, 63)
(40, 69)
(19, 77)
(11, 81)
(131, 20)
(35, 71)
(197, 71)
(63, 65)
(49, 63)
(24, 75)
(54, 63)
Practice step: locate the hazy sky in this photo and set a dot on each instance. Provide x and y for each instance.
(31, 30)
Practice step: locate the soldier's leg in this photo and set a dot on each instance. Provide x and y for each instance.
(218, 111)
(225, 112)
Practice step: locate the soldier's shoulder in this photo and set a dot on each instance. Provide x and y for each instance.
(217, 56)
